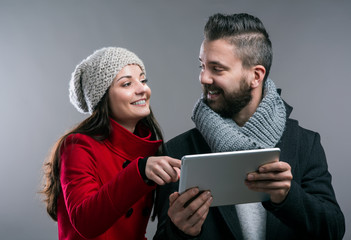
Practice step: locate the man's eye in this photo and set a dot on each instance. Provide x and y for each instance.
(217, 69)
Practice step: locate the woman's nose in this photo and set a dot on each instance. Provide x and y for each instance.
(140, 88)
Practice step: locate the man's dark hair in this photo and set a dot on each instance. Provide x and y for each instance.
(246, 33)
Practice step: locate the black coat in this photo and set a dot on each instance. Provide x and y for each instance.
(310, 210)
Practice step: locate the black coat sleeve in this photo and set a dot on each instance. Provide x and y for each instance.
(310, 209)
(165, 227)
(186, 143)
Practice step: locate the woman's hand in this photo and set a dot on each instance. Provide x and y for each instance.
(162, 169)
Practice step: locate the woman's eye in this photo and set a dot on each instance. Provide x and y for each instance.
(144, 81)
(126, 84)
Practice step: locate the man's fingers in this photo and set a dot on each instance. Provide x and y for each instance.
(274, 167)
(195, 204)
(199, 215)
(200, 222)
(264, 186)
(173, 197)
(188, 211)
(271, 176)
(185, 197)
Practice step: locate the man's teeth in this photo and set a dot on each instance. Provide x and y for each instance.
(213, 92)
(139, 102)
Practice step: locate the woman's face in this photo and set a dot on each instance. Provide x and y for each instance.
(129, 97)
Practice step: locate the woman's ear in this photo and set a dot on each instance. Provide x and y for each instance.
(259, 72)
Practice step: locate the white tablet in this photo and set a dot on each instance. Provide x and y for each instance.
(224, 174)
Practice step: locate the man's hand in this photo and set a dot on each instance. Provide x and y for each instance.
(189, 216)
(272, 178)
(162, 169)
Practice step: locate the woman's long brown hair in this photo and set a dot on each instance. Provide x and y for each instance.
(96, 126)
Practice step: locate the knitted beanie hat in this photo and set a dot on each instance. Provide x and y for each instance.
(94, 75)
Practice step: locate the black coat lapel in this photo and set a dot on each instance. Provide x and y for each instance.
(231, 219)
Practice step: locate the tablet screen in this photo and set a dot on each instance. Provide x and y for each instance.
(224, 174)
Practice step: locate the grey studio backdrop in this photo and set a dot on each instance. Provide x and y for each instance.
(42, 41)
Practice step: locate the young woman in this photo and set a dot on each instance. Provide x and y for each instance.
(101, 175)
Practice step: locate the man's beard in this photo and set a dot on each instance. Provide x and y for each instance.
(233, 102)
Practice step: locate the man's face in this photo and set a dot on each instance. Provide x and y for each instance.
(225, 83)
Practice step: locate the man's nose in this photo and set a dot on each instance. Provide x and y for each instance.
(205, 77)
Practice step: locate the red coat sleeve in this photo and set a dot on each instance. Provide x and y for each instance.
(93, 207)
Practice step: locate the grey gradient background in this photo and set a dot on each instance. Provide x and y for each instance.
(42, 41)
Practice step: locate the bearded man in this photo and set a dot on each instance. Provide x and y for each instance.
(241, 109)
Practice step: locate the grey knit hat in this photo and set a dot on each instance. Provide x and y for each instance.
(94, 75)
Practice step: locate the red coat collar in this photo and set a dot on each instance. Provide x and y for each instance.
(129, 145)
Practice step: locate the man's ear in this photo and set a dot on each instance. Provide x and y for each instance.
(259, 72)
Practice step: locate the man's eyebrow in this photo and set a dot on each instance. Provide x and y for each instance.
(216, 63)
(213, 62)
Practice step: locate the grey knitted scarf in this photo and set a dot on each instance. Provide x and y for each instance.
(263, 130)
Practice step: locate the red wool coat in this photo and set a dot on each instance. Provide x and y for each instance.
(104, 197)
